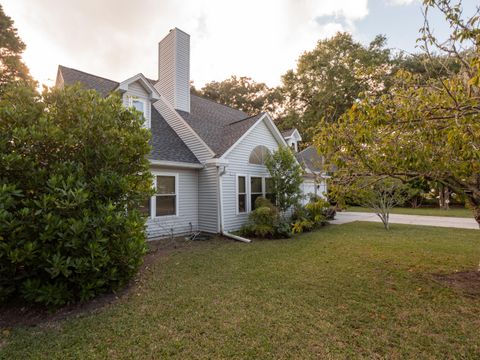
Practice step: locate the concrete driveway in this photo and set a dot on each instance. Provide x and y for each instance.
(442, 221)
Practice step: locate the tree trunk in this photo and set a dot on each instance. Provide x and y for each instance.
(441, 198)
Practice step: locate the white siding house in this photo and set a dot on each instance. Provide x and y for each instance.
(206, 158)
(238, 160)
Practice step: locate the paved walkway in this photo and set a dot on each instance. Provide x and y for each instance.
(442, 221)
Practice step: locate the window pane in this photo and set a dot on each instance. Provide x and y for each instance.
(253, 198)
(138, 105)
(256, 185)
(241, 203)
(166, 185)
(258, 155)
(241, 184)
(145, 208)
(165, 205)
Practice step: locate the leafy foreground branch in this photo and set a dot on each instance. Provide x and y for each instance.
(420, 129)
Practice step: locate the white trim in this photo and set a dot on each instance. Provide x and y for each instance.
(237, 193)
(123, 86)
(177, 164)
(131, 98)
(250, 190)
(298, 137)
(275, 132)
(177, 195)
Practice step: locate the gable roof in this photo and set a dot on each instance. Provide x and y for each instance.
(288, 133)
(102, 85)
(219, 126)
(310, 159)
(166, 144)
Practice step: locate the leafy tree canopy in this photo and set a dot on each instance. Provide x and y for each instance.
(330, 78)
(11, 47)
(242, 93)
(421, 129)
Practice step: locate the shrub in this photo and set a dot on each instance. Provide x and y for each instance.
(311, 216)
(71, 164)
(266, 222)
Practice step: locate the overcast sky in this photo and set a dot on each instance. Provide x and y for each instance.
(258, 38)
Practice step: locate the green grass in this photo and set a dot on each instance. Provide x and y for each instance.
(453, 212)
(346, 291)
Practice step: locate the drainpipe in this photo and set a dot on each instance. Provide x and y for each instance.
(220, 207)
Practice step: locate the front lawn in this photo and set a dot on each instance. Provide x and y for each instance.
(346, 291)
(453, 212)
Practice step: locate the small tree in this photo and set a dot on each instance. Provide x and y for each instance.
(286, 176)
(73, 169)
(382, 195)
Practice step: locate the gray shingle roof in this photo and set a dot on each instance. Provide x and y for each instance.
(287, 133)
(310, 159)
(102, 85)
(220, 126)
(166, 144)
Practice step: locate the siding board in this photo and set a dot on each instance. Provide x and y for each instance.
(239, 165)
(187, 193)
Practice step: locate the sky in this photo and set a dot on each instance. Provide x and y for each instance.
(262, 39)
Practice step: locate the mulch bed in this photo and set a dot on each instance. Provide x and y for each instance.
(19, 314)
(467, 282)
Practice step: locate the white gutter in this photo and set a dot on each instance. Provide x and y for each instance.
(176, 164)
(235, 237)
(220, 207)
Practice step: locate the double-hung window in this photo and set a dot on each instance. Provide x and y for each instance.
(269, 194)
(242, 194)
(256, 190)
(166, 195)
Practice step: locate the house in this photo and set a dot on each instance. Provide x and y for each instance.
(207, 158)
(315, 174)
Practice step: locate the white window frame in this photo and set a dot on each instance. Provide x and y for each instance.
(250, 188)
(237, 193)
(153, 199)
(144, 102)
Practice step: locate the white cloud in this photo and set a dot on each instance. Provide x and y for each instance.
(118, 38)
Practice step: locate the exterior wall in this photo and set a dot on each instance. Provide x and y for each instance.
(138, 91)
(310, 186)
(174, 69)
(184, 131)
(187, 194)
(239, 165)
(207, 200)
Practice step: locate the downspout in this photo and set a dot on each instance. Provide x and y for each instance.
(220, 207)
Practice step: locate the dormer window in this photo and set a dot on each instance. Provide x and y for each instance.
(139, 105)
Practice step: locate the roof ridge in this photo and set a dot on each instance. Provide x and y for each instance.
(216, 102)
(308, 147)
(83, 72)
(248, 117)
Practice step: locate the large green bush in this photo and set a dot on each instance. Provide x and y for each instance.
(266, 222)
(73, 169)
